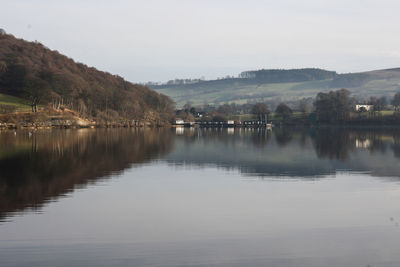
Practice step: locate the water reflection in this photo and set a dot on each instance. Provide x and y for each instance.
(41, 166)
(283, 136)
(305, 152)
(160, 216)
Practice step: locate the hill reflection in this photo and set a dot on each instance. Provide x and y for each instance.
(39, 167)
(311, 152)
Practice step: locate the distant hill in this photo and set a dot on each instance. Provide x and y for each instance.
(31, 71)
(281, 85)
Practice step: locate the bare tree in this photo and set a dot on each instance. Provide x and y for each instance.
(260, 110)
(36, 90)
(396, 101)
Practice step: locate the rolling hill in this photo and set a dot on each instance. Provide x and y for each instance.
(32, 75)
(282, 85)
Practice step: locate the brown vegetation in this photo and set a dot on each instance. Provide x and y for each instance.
(5, 109)
(32, 71)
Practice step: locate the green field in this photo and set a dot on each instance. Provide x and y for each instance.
(241, 91)
(271, 116)
(386, 112)
(21, 104)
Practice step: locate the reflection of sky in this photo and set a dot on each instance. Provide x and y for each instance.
(162, 215)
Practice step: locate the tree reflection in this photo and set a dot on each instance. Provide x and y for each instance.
(36, 168)
(333, 143)
(39, 167)
(283, 136)
(396, 145)
(260, 137)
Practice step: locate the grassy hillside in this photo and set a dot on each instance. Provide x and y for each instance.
(31, 71)
(20, 104)
(239, 90)
(242, 92)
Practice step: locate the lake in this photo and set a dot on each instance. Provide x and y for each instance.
(200, 197)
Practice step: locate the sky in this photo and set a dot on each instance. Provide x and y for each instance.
(160, 40)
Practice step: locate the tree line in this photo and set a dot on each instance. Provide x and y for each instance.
(334, 107)
(222, 113)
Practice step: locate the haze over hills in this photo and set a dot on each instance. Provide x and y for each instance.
(31, 71)
(280, 85)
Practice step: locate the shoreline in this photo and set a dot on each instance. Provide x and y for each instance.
(40, 126)
(68, 120)
(24, 126)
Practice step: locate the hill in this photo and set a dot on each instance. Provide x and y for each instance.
(281, 85)
(34, 74)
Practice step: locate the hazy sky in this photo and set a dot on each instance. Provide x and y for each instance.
(158, 40)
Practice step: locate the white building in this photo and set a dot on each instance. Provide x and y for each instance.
(179, 122)
(364, 107)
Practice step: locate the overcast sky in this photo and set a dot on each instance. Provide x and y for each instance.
(158, 40)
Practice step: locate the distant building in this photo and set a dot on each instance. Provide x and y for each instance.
(179, 122)
(364, 107)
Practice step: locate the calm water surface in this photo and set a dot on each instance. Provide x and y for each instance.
(197, 197)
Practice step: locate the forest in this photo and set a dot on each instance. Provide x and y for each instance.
(44, 77)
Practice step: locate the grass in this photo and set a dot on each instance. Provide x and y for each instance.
(382, 113)
(300, 115)
(21, 104)
(271, 116)
(241, 93)
(243, 117)
(387, 112)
